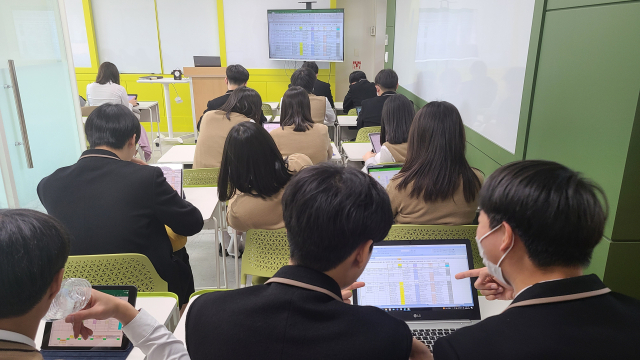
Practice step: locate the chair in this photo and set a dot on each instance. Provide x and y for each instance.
(87, 110)
(204, 291)
(353, 112)
(267, 110)
(116, 269)
(363, 133)
(265, 252)
(208, 177)
(434, 232)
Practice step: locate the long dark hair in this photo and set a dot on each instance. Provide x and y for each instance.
(108, 72)
(397, 115)
(245, 101)
(296, 109)
(251, 163)
(436, 161)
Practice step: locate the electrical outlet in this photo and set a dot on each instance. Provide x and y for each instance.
(386, 40)
(372, 31)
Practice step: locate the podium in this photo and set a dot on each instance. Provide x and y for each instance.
(207, 83)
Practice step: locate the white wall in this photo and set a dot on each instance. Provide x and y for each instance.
(246, 32)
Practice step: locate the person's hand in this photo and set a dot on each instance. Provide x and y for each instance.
(420, 351)
(133, 102)
(348, 292)
(489, 287)
(138, 161)
(368, 155)
(101, 307)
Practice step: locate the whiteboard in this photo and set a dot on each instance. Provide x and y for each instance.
(471, 53)
(77, 33)
(127, 34)
(187, 28)
(246, 31)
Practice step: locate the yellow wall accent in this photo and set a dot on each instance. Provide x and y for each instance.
(222, 39)
(91, 39)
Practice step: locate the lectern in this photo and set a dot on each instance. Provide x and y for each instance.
(208, 83)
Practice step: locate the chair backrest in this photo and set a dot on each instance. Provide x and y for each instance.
(363, 133)
(435, 232)
(353, 112)
(204, 291)
(87, 110)
(267, 110)
(116, 269)
(206, 177)
(265, 252)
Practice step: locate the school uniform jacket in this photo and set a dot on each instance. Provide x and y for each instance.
(217, 103)
(214, 129)
(600, 327)
(314, 142)
(371, 112)
(286, 322)
(10, 350)
(358, 92)
(321, 88)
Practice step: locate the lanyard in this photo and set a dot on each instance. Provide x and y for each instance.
(303, 285)
(98, 155)
(555, 299)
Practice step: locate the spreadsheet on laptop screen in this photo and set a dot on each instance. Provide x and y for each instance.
(416, 276)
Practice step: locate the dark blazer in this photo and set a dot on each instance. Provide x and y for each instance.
(217, 103)
(286, 322)
(371, 111)
(111, 206)
(321, 88)
(601, 327)
(359, 91)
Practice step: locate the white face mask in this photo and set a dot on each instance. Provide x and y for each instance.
(494, 269)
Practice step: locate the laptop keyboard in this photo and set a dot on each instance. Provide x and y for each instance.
(429, 336)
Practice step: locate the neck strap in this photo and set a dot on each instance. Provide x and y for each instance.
(99, 155)
(556, 299)
(304, 286)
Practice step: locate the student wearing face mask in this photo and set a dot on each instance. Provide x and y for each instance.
(539, 224)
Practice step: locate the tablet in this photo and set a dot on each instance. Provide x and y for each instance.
(271, 126)
(173, 174)
(133, 97)
(375, 142)
(107, 334)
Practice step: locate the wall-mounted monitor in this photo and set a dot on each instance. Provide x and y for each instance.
(306, 35)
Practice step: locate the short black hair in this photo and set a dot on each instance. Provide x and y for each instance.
(251, 163)
(357, 76)
(34, 247)
(329, 211)
(305, 78)
(108, 72)
(397, 115)
(111, 125)
(553, 209)
(237, 75)
(245, 101)
(387, 79)
(311, 65)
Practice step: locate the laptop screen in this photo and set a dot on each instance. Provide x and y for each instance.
(383, 174)
(418, 277)
(375, 142)
(271, 126)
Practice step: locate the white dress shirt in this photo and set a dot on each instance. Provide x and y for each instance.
(329, 115)
(109, 93)
(153, 338)
(384, 156)
(17, 338)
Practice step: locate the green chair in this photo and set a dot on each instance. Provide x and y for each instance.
(116, 269)
(265, 252)
(353, 112)
(204, 291)
(206, 177)
(434, 232)
(267, 110)
(363, 133)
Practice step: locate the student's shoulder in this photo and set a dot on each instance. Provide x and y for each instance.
(205, 301)
(371, 317)
(297, 162)
(479, 174)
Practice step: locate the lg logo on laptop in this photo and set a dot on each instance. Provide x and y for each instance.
(417, 315)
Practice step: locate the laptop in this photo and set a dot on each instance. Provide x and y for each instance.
(271, 126)
(414, 281)
(384, 173)
(206, 61)
(375, 142)
(107, 342)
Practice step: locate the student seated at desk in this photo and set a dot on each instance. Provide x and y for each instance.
(321, 110)
(397, 115)
(244, 104)
(371, 112)
(320, 88)
(359, 89)
(539, 225)
(297, 132)
(253, 176)
(237, 76)
(436, 185)
(107, 90)
(111, 205)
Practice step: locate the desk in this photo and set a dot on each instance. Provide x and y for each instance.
(487, 309)
(150, 112)
(163, 309)
(336, 154)
(339, 106)
(167, 102)
(355, 151)
(179, 154)
(344, 121)
(276, 119)
(204, 198)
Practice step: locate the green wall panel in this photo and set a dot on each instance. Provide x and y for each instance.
(480, 160)
(622, 272)
(599, 259)
(562, 4)
(586, 94)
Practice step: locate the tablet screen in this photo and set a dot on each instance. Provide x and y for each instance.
(133, 97)
(173, 174)
(106, 333)
(375, 142)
